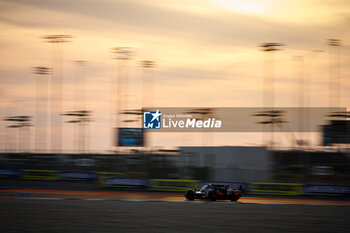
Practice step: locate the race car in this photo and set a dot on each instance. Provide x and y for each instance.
(213, 192)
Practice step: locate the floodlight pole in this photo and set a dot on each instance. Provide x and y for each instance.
(19, 122)
(269, 50)
(148, 66)
(80, 129)
(40, 136)
(147, 100)
(56, 86)
(123, 56)
(304, 89)
(334, 82)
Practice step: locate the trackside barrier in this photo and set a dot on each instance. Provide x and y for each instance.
(7, 173)
(111, 179)
(327, 190)
(290, 189)
(103, 176)
(173, 185)
(233, 185)
(126, 183)
(109, 174)
(40, 174)
(50, 175)
(78, 176)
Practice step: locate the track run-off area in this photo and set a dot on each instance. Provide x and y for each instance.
(169, 214)
(160, 197)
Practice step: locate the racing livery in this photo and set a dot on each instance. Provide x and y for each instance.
(213, 192)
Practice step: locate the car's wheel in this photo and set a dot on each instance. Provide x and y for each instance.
(211, 196)
(190, 195)
(234, 198)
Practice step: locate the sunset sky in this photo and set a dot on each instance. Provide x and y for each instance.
(206, 52)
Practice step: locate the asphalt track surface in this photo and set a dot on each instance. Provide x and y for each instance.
(33, 215)
(87, 191)
(28, 206)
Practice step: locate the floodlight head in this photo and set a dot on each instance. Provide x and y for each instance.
(56, 38)
(42, 70)
(148, 64)
(123, 53)
(271, 46)
(333, 42)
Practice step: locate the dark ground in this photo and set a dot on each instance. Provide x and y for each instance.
(91, 186)
(48, 185)
(28, 215)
